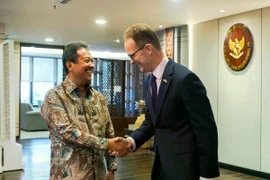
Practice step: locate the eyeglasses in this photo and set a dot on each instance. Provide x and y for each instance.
(132, 55)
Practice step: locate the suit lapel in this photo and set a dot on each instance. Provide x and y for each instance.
(164, 86)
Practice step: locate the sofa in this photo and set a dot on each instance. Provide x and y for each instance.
(30, 119)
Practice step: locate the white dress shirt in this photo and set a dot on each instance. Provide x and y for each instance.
(158, 72)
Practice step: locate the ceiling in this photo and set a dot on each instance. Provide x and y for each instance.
(34, 20)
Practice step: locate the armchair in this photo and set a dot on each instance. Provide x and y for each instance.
(31, 120)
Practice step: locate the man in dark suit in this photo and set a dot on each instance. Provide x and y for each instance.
(178, 112)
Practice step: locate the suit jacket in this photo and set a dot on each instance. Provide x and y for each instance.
(186, 140)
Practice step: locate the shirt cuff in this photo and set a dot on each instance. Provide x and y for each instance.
(131, 140)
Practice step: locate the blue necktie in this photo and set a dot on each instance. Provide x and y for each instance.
(154, 90)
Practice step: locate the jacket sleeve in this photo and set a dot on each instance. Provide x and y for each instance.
(60, 124)
(203, 124)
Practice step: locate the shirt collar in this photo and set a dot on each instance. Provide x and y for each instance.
(71, 86)
(158, 72)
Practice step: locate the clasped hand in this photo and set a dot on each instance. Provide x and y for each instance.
(119, 146)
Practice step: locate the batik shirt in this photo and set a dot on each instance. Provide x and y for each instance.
(79, 131)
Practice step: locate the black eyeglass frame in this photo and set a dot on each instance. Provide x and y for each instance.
(132, 55)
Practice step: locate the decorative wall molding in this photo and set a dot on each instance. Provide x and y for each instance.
(6, 90)
(9, 79)
(169, 43)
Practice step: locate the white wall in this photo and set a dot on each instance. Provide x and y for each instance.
(2, 123)
(240, 100)
(205, 58)
(265, 124)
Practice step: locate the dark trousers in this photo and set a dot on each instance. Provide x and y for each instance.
(158, 171)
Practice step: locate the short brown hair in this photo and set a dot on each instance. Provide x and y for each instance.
(142, 34)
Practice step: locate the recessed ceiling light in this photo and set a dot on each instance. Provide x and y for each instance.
(49, 40)
(222, 10)
(117, 40)
(101, 21)
(160, 26)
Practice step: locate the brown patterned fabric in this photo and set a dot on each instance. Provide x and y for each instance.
(79, 128)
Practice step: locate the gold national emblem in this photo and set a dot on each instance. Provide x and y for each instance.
(238, 47)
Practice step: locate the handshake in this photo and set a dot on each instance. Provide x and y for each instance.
(119, 146)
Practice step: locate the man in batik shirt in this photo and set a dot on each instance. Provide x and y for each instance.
(81, 131)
